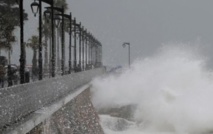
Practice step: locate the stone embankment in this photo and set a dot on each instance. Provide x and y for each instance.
(76, 117)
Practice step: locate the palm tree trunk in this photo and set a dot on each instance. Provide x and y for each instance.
(50, 56)
(45, 56)
(9, 56)
(58, 55)
(34, 64)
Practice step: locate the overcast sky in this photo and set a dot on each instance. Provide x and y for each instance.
(146, 24)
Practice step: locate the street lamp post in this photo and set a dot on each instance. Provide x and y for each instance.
(91, 52)
(57, 20)
(83, 41)
(63, 45)
(22, 59)
(80, 41)
(70, 38)
(86, 41)
(101, 54)
(35, 8)
(53, 42)
(96, 53)
(127, 44)
(62, 40)
(75, 53)
(79, 32)
(89, 49)
(70, 45)
(48, 13)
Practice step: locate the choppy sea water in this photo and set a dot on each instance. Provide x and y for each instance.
(114, 125)
(172, 92)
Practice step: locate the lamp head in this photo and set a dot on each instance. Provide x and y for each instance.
(125, 43)
(35, 7)
(47, 14)
(57, 20)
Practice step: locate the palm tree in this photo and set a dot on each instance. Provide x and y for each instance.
(61, 3)
(8, 49)
(7, 43)
(33, 43)
(9, 13)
